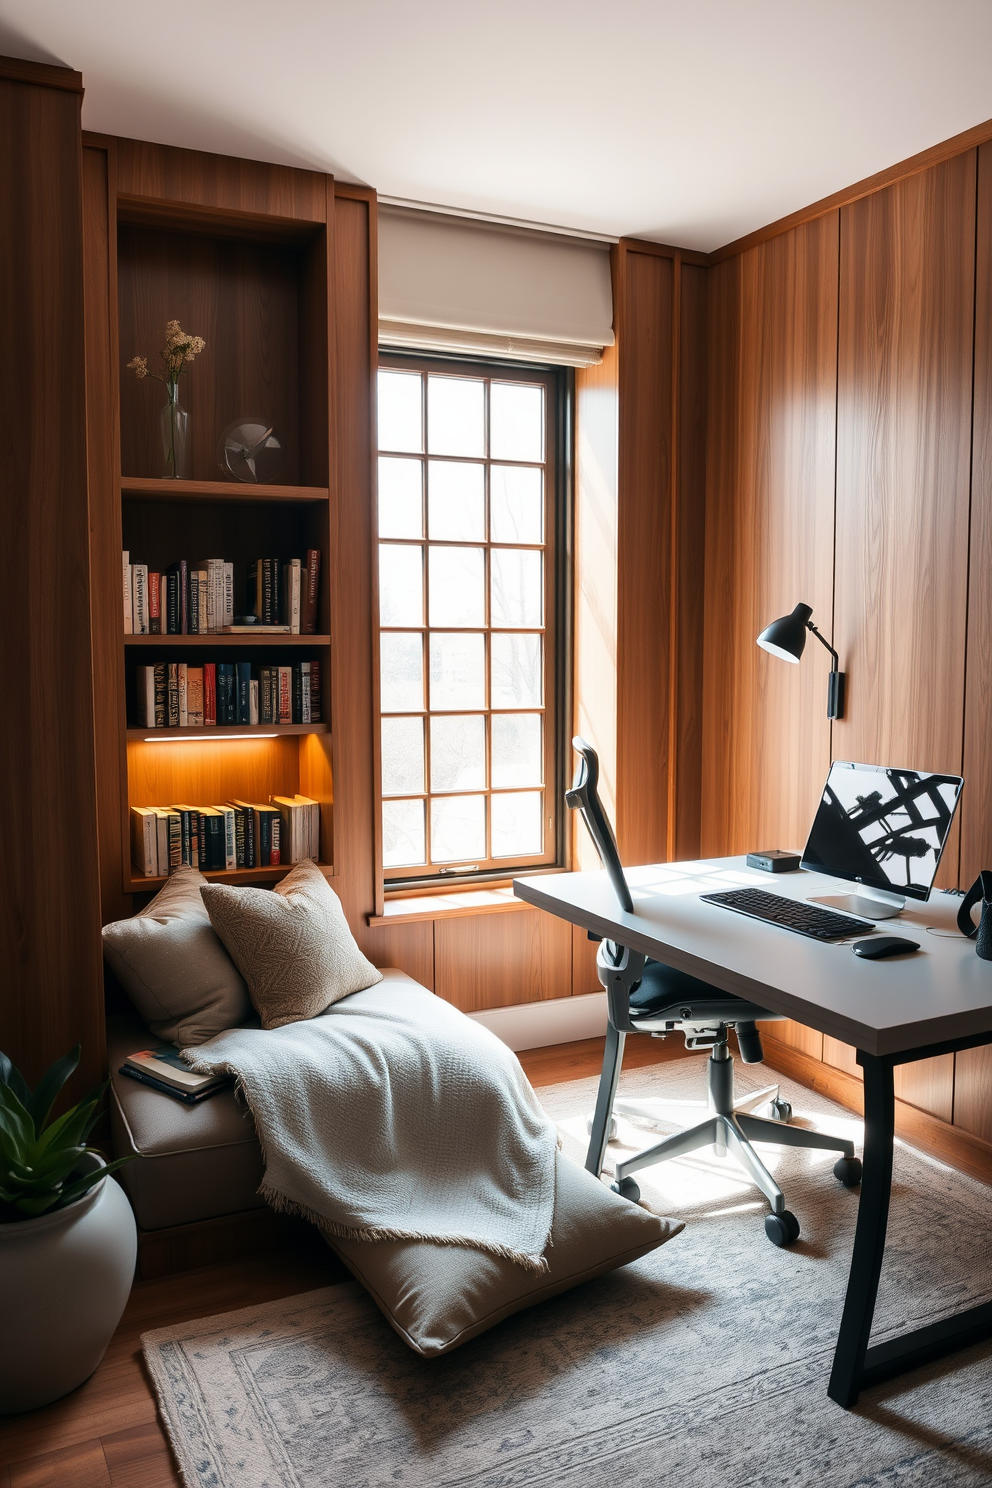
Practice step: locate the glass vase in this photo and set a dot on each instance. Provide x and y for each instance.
(175, 427)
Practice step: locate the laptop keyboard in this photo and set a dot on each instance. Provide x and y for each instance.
(791, 914)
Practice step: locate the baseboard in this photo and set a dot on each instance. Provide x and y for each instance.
(535, 1025)
(931, 1136)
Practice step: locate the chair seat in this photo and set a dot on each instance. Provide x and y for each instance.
(664, 991)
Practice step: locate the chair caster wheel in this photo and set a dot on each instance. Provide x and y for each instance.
(611, 1133)
(782, 1229)
(627, 1189)
(848, 1171)
(780, 1110)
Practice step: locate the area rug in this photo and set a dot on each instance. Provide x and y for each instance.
(703, 1365)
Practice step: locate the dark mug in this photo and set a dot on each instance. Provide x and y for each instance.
(981, 933)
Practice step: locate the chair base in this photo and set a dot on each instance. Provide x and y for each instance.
(731, 1126)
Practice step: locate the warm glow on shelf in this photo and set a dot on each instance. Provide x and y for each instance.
(204, 738)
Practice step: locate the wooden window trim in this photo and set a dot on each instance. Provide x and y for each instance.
(489, 872)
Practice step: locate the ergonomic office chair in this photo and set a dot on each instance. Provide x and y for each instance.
(645, 996)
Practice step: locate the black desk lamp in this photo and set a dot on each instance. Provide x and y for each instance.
(786, 638)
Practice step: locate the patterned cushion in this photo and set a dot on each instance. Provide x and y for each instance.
(292, 945)
(174, 969)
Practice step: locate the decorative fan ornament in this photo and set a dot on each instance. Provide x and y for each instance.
(249, 451)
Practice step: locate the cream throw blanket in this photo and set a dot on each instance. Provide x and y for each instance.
(393, 1116)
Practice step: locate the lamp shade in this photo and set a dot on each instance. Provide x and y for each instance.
(786, 637)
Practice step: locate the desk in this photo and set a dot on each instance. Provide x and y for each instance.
(893, 1012)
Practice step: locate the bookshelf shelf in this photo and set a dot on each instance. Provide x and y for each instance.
(141, 488)
(138, 884)
(217, 640)
(235, 731)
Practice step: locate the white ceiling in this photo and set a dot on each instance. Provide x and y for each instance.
(666, 119)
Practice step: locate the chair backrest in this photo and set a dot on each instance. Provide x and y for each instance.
(584, 796)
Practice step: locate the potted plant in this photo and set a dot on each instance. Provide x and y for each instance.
(67, 1240)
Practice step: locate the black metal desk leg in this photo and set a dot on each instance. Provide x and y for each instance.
(869, 1237)
(612, 1060)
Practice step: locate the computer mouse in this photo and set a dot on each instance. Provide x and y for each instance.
(884, 945)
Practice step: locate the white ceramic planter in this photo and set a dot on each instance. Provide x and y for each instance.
(64, 1280)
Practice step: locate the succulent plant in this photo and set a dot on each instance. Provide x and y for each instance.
(38, 1157)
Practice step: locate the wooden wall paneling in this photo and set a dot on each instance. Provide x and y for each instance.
(595, 580)
(220, 183)
(103, 479)
(354, 322)
(408, 947)
(975, 811)
(487, 961)
(51, 992)
(644, 321)
(903, 456)
(769, 522)
(690, 562)
(973, 1067)
(244, 300)
(585, 977)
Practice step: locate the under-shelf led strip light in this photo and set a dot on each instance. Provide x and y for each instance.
(205, 738)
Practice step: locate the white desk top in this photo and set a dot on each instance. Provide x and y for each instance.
(943, 991)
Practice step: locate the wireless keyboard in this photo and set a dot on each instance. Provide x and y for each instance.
(791, 914)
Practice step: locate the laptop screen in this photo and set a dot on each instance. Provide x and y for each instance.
(882, 827)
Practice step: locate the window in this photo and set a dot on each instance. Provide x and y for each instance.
(468, 511)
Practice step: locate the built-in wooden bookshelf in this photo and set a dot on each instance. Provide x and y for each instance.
(255, 287)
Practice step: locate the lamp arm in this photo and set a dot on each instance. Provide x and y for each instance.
(823, 642)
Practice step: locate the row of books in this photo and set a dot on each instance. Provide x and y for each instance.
(174, 694)
(238, 834)
(198, 599)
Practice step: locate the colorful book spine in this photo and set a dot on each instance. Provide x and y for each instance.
(128, 614)
(182, 671)
(315, 692)
(226, 705)
(210, 694)
(194, 697)
(308, 623)
(155, 604)
(139, 598)
(285, 694)
(243, 695)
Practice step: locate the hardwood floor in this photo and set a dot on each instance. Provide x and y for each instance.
(106, 1434)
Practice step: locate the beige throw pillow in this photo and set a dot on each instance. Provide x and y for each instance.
(292, 945)
(437, 1297)
(174, 969)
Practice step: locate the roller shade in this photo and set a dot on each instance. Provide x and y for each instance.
(453, 284)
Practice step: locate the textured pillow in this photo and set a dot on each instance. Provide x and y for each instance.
(292, 945)
(439, 1296)
(174, 969)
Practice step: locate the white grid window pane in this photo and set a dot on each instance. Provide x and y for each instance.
(516, 504)
(456, 501)
(457, 578)
(515, 586)
(516, 671)
(516, 422)
(404, 840)
(516, 823)
(401, 507)
(400, 411)
(403, 756)
(401, 672)
(401, 585)
(458, 671)
(458, 828)
(458, 752)
(456, 416)
(517, 755)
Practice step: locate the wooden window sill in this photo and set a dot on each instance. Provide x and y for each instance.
(408, 909)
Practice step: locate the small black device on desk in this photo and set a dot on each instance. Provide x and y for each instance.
(885, 945)
(774, 860)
